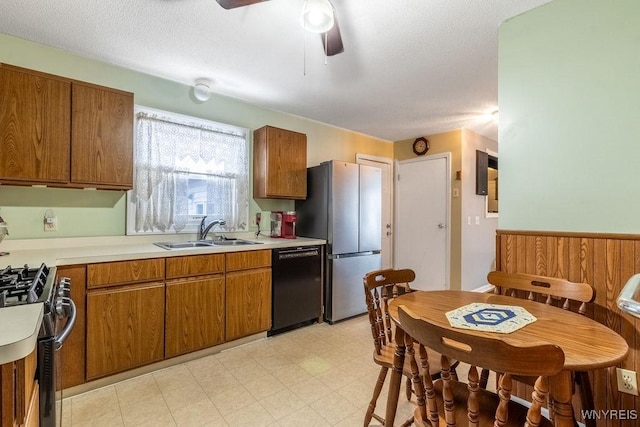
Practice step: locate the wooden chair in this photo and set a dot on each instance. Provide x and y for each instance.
(380, 287)
(450, 402)
(553, 291)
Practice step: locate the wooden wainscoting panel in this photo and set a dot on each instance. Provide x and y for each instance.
(604, 260)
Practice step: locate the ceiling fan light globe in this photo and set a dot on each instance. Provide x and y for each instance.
(317, 16)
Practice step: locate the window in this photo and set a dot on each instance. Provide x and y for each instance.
(186, 168)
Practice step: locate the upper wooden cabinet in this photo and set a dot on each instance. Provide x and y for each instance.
(35, 127)
(64, 133)
(101, 136)
(279, 164)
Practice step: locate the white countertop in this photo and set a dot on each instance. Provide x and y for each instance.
(86, 250)
(19, 325)
(19, 328)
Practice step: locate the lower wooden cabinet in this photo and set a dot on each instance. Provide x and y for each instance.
(125, 328)
(194, 314)
(72, 354)
(32, 417)
(19, 398)
(248, 302)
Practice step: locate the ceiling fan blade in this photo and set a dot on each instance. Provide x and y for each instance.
(332, 43)
(232, 4)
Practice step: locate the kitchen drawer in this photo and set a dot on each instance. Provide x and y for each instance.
(196, 265)
(124, 272)
(248, 259)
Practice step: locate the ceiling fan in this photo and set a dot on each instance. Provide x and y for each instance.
(318, 16)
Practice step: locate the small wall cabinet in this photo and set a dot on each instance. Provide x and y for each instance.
(279, 164)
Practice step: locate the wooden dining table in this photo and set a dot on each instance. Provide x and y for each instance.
(587, 344)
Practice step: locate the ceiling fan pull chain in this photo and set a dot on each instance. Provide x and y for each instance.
(304, 54)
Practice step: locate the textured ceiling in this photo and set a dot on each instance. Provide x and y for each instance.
(410, 67)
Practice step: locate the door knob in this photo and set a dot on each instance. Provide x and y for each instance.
(441, 226)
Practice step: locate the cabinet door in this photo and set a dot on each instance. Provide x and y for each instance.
(280, 163)
(125, 328)
(248, 302)
(34, 127)
(194, 314)
(102, 137)
(72, 355)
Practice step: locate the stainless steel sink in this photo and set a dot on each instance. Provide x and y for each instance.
(204, 243)
(182, 245)
(236, 242)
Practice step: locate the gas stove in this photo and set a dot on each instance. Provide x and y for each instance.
(30, 285)
(25, 285)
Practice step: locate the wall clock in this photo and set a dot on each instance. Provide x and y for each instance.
(421, 146)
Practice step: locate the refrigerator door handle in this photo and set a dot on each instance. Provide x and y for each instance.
(341, 256)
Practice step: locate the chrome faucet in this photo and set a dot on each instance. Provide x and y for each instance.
(203, 231)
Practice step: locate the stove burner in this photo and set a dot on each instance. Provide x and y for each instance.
(22, 285)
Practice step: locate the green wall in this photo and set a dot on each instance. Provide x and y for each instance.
(102, 213)
(569, 80)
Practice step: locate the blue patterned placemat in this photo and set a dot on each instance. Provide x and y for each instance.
(490, 317)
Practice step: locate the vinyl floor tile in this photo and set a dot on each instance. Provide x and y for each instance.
(318, 376)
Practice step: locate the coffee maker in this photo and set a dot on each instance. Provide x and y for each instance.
(289, 224)
(283, 224)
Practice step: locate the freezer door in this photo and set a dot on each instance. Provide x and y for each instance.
(370, 235)
(346, 294)
(343, 208)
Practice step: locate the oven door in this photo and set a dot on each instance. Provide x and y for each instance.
(56, 327)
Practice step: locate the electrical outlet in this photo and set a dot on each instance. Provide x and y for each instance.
(51, 223)
(627, 381)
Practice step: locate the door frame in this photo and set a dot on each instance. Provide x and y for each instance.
(396, 205)
(391, 201)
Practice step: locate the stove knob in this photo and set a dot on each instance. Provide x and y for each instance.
(61, 308)
(64, 287)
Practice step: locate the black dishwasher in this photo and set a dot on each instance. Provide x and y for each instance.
(296, 274)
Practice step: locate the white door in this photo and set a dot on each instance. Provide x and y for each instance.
(422, 220)
(386, 166)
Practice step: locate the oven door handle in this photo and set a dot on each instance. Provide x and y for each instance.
(71, 320)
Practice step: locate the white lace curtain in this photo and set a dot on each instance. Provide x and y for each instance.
(170, 153)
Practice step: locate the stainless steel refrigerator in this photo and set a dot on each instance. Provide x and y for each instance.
(344, 207)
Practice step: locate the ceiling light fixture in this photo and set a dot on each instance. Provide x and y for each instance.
(317, 16)
(202, 90)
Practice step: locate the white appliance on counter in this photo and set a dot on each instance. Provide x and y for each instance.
(344, 207)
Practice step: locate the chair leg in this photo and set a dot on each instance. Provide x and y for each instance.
(484, 379)
(376, 393)
(408, 388)
(454, 374)
(586, 395)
